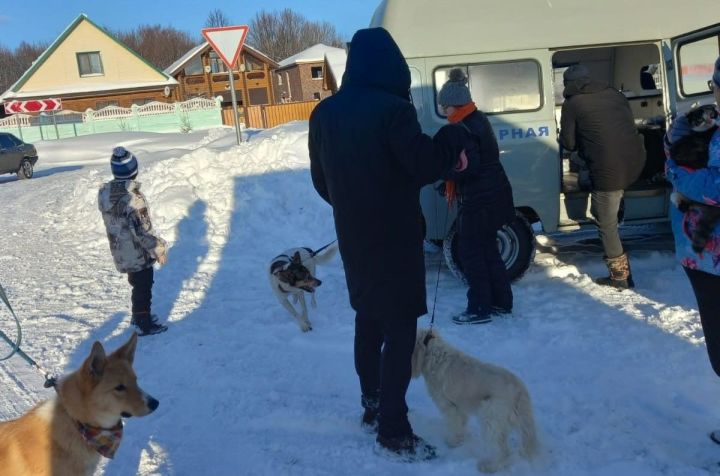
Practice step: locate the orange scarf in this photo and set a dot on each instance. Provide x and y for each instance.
(458, 115)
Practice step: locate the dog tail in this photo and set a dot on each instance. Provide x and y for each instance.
(523, 415)
(327, 254)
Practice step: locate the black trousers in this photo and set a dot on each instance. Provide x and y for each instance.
(141, 282)
(383, 350)
(604, 207)
(706, 287)
(488, 281)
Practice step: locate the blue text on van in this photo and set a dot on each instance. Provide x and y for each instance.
(523, 133)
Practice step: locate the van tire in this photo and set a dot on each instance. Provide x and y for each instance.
(515, 240)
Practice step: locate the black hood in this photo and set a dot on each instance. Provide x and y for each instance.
(375, 60)
(583, 86)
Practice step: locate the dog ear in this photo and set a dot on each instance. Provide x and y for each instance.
(94, 365)
(296, 258)
(127, 351)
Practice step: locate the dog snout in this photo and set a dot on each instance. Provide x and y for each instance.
(317, 282)
(152, 403)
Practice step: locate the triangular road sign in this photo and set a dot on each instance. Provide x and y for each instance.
(227, 41)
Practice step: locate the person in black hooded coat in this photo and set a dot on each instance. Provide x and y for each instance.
(369, 160)
(596, 120)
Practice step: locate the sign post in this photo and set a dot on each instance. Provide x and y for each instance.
(227, 41)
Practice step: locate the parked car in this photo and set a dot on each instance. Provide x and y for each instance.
(16, 157)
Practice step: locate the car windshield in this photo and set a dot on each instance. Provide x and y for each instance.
(5, 141)
(15, 140)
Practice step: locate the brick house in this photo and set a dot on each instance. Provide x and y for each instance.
(88, 68)
(300, 77)
(201, 73)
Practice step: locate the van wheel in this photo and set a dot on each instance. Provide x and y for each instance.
(26, 170)
(517, 248)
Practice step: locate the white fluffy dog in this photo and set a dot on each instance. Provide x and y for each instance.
(462, 386)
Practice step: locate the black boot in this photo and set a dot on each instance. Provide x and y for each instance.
(371, 404)
(147, 324)
(620, 274)
(410, 448)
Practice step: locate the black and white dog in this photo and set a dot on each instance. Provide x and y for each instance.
(292, 273)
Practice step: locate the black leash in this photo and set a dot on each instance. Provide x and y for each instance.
(15, 346)
(322, 248)
(437, 281)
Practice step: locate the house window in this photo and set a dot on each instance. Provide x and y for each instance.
(194, 66)
(511, 86)
(90, 64)
(316, 72)
(101, 104)
(216, 64)
(142, 101)
(316, 96)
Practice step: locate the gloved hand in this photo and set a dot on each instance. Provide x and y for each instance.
(162, 259)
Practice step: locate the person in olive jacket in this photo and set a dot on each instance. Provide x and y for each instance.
(369, 160)
(596, 120)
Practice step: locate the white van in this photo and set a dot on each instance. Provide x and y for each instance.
(659, 53)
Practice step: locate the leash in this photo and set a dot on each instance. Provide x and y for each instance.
(15, 346)
(437, 280)
(322, 248)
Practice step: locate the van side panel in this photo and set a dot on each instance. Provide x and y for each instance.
(527, 139)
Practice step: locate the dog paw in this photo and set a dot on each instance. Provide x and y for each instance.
(306, 327)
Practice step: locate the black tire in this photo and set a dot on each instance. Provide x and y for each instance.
(26, 169)
(517, 248)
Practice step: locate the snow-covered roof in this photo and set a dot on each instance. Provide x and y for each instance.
(335, 61)
(314, 54)
(80, 89)
(184, 59)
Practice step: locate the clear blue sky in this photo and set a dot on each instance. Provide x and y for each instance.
(43, 20)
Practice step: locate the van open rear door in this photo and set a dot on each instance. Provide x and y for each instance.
(689, 63)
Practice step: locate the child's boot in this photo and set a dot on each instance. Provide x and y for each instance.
(147, 324)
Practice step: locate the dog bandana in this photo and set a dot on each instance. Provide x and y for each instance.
(103, 440)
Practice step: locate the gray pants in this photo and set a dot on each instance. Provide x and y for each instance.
(604, 207)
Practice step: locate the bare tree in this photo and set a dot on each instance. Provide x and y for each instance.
(13, 64)
(217, 18)
(159, 45)
(285, 33)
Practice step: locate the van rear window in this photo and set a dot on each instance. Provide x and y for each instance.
(512, 86)
(697, 60)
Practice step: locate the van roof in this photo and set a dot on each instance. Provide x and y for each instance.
(450, 27)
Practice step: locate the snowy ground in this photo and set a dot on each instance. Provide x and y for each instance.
(620, 382)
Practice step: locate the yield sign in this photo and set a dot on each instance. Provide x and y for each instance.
(33, 105)
(227, 41)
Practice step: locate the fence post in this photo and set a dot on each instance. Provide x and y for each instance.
(90, 118)
(136, 116)
(17, 121)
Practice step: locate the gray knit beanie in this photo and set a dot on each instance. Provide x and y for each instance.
(716, 74)
(455, 91)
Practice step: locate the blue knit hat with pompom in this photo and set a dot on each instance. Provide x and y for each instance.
(123, 163)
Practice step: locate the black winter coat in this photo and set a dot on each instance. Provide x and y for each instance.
(369, 160)
(597, 121)
(484, 187)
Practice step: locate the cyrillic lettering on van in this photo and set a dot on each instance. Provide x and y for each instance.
(520, 133)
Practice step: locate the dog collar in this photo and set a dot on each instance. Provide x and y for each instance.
(103, 440)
